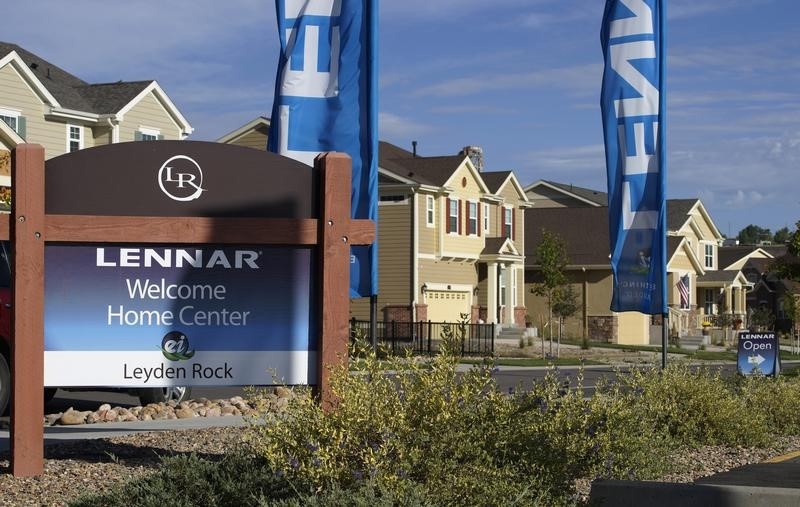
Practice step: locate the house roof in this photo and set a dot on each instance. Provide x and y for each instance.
(495, 179)
(259, 122)
(426, 170)
(673, 242)
(678, 212)
(728, 275)
(73, 92)
(66, 91)
(596, 196)
(583, 230)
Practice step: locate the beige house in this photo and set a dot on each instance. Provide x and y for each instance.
(450, 240)
(41, 103)
(580, 217)
(253, 134)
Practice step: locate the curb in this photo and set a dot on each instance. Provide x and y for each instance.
(667, 494)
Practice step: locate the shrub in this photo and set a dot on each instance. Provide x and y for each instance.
(696, 407)
(777, 399)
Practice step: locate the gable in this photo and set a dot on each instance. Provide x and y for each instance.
(511, 191)
(545, 196)
(466, 182)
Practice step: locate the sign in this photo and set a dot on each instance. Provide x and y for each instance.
(326, 99)
(155, 316)
(759, 353)
(634, 112)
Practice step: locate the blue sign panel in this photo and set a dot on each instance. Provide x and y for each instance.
(632, 101)
(154, 316)
(759, 354)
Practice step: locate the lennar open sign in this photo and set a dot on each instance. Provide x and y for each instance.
(759, 353)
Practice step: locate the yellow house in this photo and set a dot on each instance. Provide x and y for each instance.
(450, 240)
(252, 134)
(579, 216)
(41, 103)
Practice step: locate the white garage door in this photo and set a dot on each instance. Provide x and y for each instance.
(447, 305)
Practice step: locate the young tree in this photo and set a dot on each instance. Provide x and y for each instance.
(551, 255)
(565, 305)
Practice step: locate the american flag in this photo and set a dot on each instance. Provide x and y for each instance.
(683, 289)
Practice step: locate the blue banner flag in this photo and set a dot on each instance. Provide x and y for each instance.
(633, 108)
(326, 100)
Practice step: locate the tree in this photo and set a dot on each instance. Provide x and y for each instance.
(565, 305)
(753, 235)
(551, 255)
(788, 266)
(782, 236)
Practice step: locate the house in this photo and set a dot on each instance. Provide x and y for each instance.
(450, 240)
(252, 134)
(44, 104)
(579, 217)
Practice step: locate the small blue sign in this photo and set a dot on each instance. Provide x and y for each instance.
(759, 354)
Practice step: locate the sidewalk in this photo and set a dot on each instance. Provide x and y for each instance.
(56, 434)
(773, 483)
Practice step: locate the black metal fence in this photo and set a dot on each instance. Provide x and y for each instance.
(425, 337)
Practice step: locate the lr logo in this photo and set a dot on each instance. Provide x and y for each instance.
(181, 178)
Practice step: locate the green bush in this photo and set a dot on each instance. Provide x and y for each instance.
(777, 399)
(696, 407)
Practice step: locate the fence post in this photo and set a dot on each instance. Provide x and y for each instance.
(492, 337)
(430, 332)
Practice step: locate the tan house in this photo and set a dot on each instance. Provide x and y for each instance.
(41, 103)
(450, 240)
(253, 134)
(580, 218)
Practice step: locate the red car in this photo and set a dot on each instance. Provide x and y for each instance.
(145, 395)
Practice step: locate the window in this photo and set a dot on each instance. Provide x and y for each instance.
(486, 219)
(429, 211)
(147, 134)
(508, 223)
(74, 138)
(14, 120)
(709, 302)
(502, 287)
(11, 121)
(453, 216)
(397, 199)
(709, 251)
(472, 218)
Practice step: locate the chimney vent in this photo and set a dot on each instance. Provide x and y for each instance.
(475, 154)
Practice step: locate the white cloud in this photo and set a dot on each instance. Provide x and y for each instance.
(393, 126)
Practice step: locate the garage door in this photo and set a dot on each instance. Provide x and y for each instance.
(446, 305)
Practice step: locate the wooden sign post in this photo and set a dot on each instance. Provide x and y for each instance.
(32, 224)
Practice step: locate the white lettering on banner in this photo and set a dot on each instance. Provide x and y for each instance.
(309, 82)
(188, 316)
(641, 162)
(178, 258)
(296, 8)
(306, 157)
(640, 22)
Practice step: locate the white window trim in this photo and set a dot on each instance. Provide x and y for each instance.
(705, 256)
(485, 219)
(430, 211)
(149, 131)
(11, 113)
(469, 218)
(510, 211)
(80, 136)
(457, 215)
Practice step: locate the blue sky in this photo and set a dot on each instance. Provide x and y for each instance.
(520, 78)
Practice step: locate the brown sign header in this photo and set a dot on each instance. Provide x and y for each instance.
(180, 179)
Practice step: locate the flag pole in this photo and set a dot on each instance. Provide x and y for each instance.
(664, 327)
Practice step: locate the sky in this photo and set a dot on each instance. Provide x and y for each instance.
(519, 78)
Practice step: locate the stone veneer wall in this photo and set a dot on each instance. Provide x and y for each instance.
(422, 313)
(519, 316)
(603, 328)
(397, 313)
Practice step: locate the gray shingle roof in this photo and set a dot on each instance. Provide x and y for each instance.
(678, 212)
(719, 276)
(426, 170)
(494, 179)
(583, 230)
(596, 196)
(73, 92)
